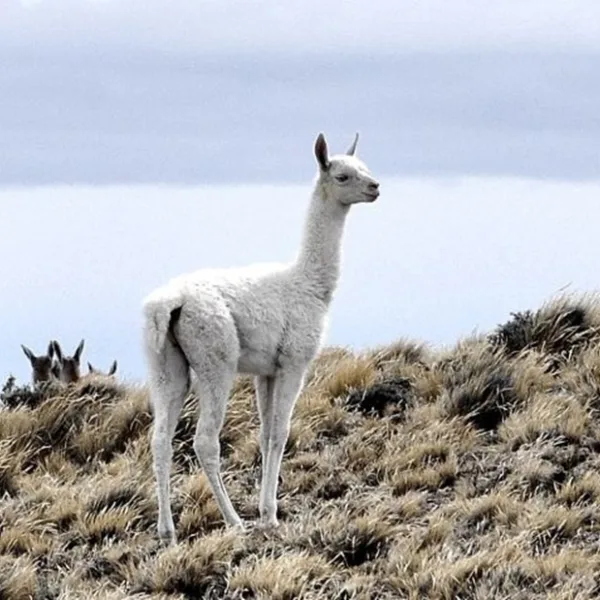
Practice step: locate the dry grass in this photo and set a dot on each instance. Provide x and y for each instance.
(468, 473)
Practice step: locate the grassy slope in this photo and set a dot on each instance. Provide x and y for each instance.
(472, 473)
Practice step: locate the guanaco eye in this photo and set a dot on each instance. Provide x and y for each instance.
(341, 178)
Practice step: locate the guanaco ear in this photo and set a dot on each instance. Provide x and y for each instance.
(113, 368)
(352, 150)
(50, 351)
(28, 353)
(58, 351)
(321, 152)
(78, 351)
(90, 368)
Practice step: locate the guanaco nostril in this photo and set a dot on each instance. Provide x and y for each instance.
(374, 185)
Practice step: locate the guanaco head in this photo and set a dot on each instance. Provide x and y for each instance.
(69, 365)
(41, 365)
(110, 373)
(344, 178)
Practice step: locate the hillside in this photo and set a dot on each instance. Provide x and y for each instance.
(472, 472)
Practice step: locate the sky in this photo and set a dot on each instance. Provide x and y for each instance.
(145, 139)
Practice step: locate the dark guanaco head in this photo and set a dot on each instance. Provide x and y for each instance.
(41, 365)
(69, 365)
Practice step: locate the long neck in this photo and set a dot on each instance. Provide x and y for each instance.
(320, 253)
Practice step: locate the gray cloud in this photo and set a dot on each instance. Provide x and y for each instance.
(304, 26)
(135, 91)
(138, 117)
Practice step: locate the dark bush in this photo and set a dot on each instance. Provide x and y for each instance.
(13, 396)
(377, 399)
(559, 328)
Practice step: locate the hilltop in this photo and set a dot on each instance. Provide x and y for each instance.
(469, 472)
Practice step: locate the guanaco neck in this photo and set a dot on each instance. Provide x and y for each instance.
(320, 252)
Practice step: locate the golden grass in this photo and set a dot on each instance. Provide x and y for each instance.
(472, 472)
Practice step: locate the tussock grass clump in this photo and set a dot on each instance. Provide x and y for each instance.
(351, 544)
(348, 374)
(290, 575)
(485, 402)
(199, 512)
(18, 579)
(196, 570)
(560, 328)
(8, 478)
(468, 472)
(404, 352)
(480, 515)
(559, 418)
(480, 386)
(581, 492)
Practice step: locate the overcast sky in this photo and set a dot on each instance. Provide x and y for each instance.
(144, 138)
